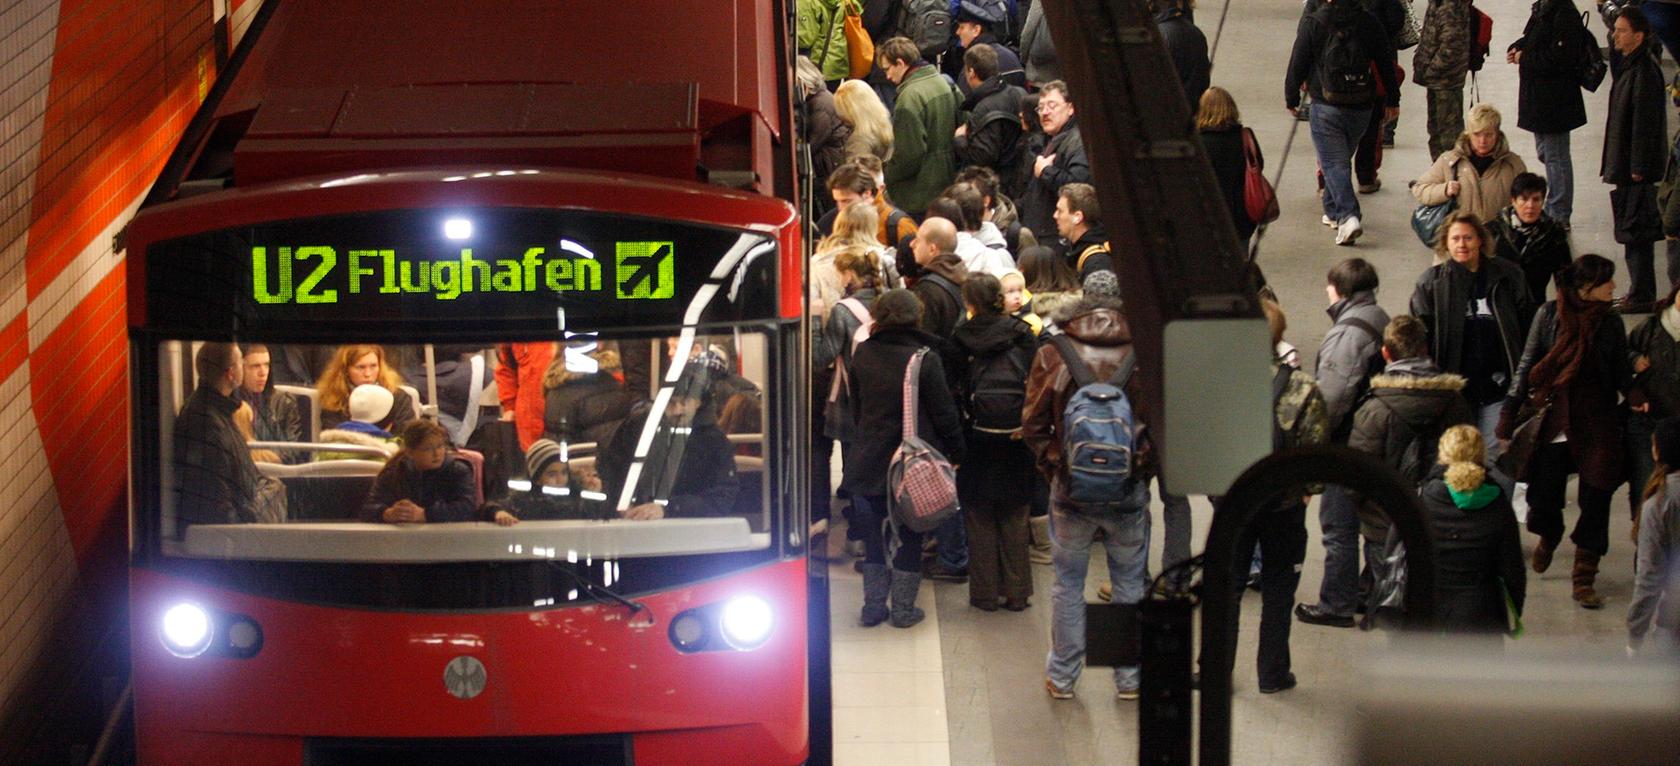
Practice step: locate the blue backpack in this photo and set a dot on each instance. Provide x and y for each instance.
(1098, 431)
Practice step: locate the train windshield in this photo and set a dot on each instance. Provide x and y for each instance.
(586, 446)
(425, 386)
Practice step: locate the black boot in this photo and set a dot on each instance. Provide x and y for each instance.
(877, 581)
(904, 587)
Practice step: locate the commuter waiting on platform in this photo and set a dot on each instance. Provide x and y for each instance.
(1653, 615)
(353, 366)
(1524, 234)
(216, 481)
(555, 492)
(1478, 557)
(276, 416)
(423, 483)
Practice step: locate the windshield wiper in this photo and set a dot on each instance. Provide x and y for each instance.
(599, 592)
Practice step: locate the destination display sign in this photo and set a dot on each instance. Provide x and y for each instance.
(484, 265)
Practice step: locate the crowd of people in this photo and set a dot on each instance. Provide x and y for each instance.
(964, 223)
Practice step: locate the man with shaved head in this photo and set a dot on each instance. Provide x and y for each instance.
(940, 287)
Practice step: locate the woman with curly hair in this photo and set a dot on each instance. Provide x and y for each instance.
(1478, 558)
(355, 365)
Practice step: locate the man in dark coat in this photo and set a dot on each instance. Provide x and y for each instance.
(276, 416)
(1525, 235)
(1062, 161)
(991, 138)
(1079, 225)
(1636, 152)
(1549, 102)
(940, 290)
(216, 482)
(973, 32)
(1188, 48)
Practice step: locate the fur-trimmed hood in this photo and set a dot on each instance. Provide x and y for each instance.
(341, 436)
(1445, 381)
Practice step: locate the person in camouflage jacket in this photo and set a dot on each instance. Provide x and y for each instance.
(1440, 63)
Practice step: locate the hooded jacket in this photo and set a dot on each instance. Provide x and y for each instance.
(1441, 300)
(822, 35)
(993, 138)
(1483, 194)
(1549, 92)
(1347, 351)
(585, 408)
(1411, 400)
(941, 309)
(1104, 340)
(924, 121)
(1478, 556)
(348, 434)
(1089, 254)
(1539, 249)
(982, 338)
(877, 390)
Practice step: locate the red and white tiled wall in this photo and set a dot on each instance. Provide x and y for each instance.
(94, 95)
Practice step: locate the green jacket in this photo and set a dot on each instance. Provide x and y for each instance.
(924, 124)
(822, 35)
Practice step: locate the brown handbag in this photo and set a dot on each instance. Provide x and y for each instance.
(860, 50)
(1525, 439)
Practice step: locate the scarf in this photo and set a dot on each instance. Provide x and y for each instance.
(1524, 231)
(1670, 318)
(1577, 321)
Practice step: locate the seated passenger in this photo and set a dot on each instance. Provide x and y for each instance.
(276, 415)
(555, 493)
(370, 405)
(423, 483)
(354, 366)
(689, 469)
(583, 401)
(216, 481)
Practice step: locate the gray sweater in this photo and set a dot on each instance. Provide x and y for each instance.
(1654, 610)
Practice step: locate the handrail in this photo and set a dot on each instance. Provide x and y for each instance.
(355, 449)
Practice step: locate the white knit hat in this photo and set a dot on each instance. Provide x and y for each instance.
(370, 403)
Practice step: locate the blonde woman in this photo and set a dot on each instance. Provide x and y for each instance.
(1478, 557)
(854, 226)
(1477, 171)
(871, 123)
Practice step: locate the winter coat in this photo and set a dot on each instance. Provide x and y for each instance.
(941, 309)
(1056, 308)
(1441, 300)
(877, 390)
(382, 441)
(1548, 95)
(276, 418)
(827, 134)
(1478, 556)
(1009, 62)
(1188, 48)
(1347, 351)
(1224, 147)
(1104, 340)
(982, 338)
(1038, 204)
(1636, 132)
(1411, 400)
(1658, 386)
(924, 121)
(446, 492)
(997, 465)
(833, 340)
(822, 35)
(402, 412)
(1442, 58)
(1540, 252)
(1651, 611)
(704, 482)
(1038, 52)
(519, 373)
(584, 408)
(1585, 408)
(1089, 254)
(1482, 194)
(993, 138)
(216, 481)
(1311, 36)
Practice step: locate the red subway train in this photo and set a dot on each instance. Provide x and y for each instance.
(609, 183)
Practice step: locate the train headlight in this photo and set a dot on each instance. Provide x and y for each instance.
(746, 622)
(186, 630)
(458, 228)
(688, 632)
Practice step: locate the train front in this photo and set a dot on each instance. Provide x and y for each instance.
(648, 606)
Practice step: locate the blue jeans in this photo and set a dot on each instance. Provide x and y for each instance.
(1335, 133)
(1338, 519)
(1127, 545)
(1553, 149)
(1175, 513)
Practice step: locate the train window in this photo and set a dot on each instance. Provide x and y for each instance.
(616, 446)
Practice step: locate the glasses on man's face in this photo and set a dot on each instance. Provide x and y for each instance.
(1050, 107)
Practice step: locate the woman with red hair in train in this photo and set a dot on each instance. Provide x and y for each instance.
(356, 365)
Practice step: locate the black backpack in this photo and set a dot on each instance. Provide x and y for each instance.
(997, 390)
(1344, 66)
(928, 24)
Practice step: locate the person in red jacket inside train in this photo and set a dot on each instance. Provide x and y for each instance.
(519, 384)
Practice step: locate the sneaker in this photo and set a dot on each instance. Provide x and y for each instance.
(942, 573)
(1313, 614)
(1056, 692)
(1286, 684)
(1328, 221)
(1349, 231)
(1371, 188)
(1127, 694)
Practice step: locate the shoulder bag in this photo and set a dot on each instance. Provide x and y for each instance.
(1259, 197)
(921, 483)
(1427, 219)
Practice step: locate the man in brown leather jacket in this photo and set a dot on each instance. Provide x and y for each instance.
(1103, 340)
